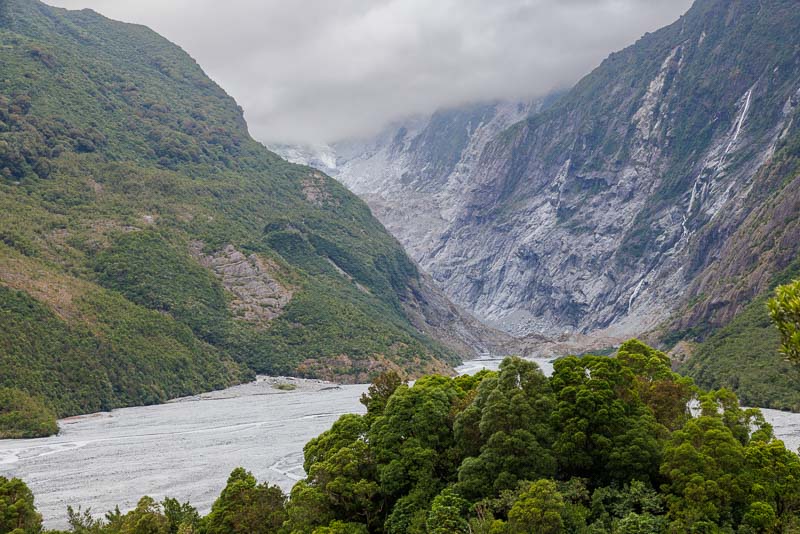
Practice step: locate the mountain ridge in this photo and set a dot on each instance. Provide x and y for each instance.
(656, 137)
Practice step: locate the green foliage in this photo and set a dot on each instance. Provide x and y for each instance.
(22, 416)
(406, 466)
(182, 516)
(148, 271)
(447, 515)
(379, 392)
(17, 512)
(149, 517)
(246, 507)
(539, 509)
(130, 355)
(663, 391)
(507, 429)
(340, 527)
(785, 312)
(146, 518)
(606, 433)
(634, 508)
(604, 445)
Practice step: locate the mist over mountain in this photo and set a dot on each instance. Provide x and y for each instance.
(315, 71)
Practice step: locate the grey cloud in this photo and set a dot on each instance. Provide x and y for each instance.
(324, 70)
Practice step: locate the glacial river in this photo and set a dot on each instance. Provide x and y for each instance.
(187, 448)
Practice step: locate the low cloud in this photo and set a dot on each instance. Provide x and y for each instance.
(325, 70)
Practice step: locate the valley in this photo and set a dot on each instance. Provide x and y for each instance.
(496, 305)
(657, 198)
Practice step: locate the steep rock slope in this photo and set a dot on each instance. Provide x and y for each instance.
(150, 248)
(413, 174)
(598, 212)
(633, 195)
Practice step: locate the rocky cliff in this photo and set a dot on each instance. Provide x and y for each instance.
(636, 194)
(414, 172)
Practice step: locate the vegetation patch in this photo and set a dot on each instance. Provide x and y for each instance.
(22, 416)
(118, 155)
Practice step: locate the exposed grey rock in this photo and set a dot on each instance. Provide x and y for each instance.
(257, 296)
(596, 215)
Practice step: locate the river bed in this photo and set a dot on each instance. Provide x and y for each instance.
(187, 448)
(184, 449)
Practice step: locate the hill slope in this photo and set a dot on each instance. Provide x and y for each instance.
(150, 248)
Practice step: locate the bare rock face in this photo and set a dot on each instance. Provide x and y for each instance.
(603, 213)
(314, 189)
(257, 296)
(413, 173)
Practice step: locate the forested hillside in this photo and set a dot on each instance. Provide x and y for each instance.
(149, 248)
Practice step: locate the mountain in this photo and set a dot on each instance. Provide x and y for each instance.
(150, 248)
(659, 195)
(599, 212)
(413, 172)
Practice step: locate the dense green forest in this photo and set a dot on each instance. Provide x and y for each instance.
(150, 248)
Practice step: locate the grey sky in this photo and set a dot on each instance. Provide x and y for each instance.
(323, 70)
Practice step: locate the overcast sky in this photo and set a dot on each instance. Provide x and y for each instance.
(324, 70)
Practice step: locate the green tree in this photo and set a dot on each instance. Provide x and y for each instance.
(772, 477)
(308, 509)
(412, 442)
(448, 514)
(606, 433)
(146, 518)
(636, 507)
(761, 518)
(509, 421)
(23, 416)
(342, 479)
(246, 507)
(340, 527)
(379, 391)
(538, 510)
(82, 521)
(784, 309)
(666, 393)
(704, 463)
(180, 515)
(18, 513)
